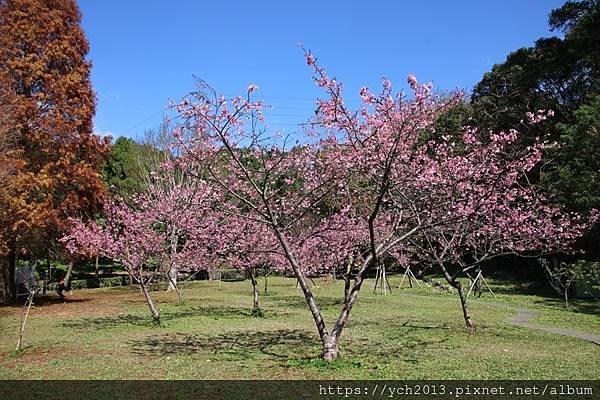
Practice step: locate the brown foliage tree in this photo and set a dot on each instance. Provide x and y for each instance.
(43, 67)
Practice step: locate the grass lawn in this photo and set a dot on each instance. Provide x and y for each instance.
(409, 334)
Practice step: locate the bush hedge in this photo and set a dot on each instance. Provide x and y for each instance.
(114, 281)
(92, 283)
(232, 275)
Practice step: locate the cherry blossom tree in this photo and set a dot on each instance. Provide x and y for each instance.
(381, 148)
(126, 237)
(371, 160)
(166, 229)
(173, 203)
(249, 245)
(359, 185)
(495, 212)
(336, 244)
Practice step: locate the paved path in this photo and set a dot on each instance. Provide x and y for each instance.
(525, 315)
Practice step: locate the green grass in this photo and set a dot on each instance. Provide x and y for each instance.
(411, 333)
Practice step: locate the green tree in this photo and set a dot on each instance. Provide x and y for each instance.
(580, 21)
(561, 74)
(575, 177)
(557, 74)
(130, 163)
(121, 169)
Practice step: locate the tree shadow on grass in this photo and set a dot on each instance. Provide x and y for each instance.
(299, 347)
(397, 325)
(543, 295)
(323, 302)
(575, 305)
(207, 311)
(512, 286)
(404, 339)
(107, 322)
(145, 320)
(408, 348)
(282, 343)
(48, 300)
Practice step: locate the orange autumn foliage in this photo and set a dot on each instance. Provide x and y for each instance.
(43, 66)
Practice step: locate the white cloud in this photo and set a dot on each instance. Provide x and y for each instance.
(102, 133)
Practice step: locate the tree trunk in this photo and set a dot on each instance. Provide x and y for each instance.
(173, 270)
(172, 277)
(330, 342)
(463, 299)
(173, 284)
(266, 281)
(64, 283)
(348, 277)
(310, 299)
(48, 273)
(463, 302)
(566, 293)
(97, 266)
(256, 311)
(346, 287)
(8, 290)
(153, 309)
(67, 278)
(331, 349)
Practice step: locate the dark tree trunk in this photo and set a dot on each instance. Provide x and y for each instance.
(303, 283)
(8, 290)
(346, 287)
(348, 276)
(463, 303)
(48, 272)
(461, 294)
(97, 265)
(256, 311)
(266, 281)
(65, 282)
(153, 309)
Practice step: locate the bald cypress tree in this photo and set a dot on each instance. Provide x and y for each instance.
(44, 70)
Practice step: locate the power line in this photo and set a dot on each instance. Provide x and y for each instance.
(266, 111)
(142, 122)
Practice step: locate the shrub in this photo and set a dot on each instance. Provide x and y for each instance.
(83, 284)
(158, 286)
(92, 283)
(112, 282)
(232, 275)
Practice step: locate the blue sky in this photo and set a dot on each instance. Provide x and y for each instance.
(145, 52)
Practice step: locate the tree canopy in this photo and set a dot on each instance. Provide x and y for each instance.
(44, 68)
